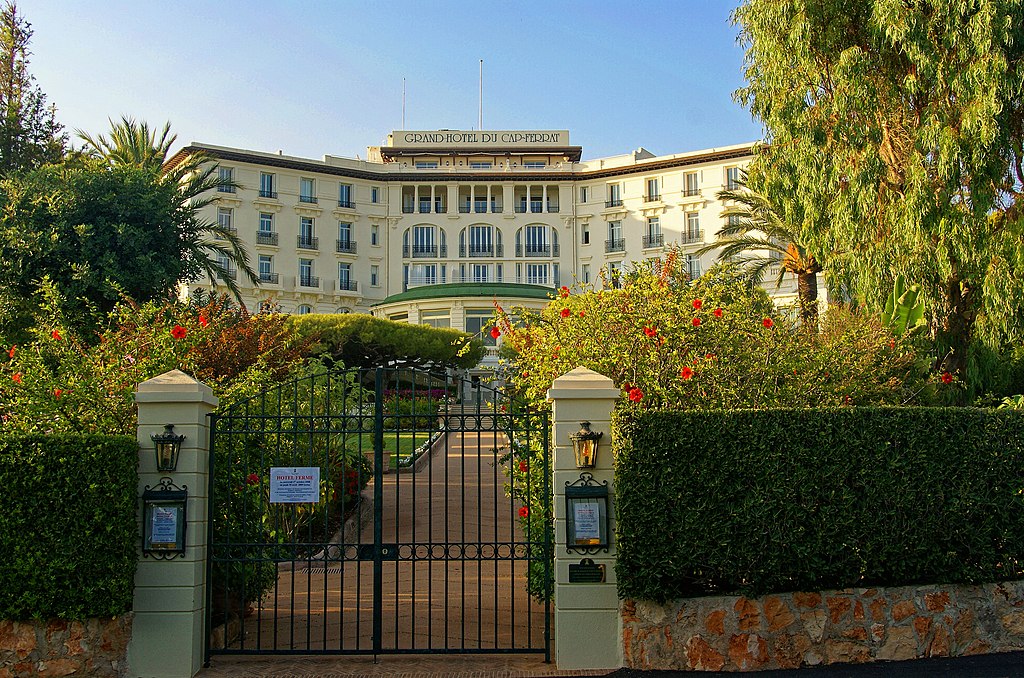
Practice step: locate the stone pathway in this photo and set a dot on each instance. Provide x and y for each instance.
(437, 602)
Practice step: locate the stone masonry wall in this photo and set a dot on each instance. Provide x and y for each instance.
(95, 647)
(789, 630)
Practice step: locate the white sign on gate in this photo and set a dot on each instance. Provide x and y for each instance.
(295, 485)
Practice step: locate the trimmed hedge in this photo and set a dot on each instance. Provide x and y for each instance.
(67, 525)
(755, 502)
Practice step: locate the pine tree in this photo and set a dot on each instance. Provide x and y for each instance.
(30, 135)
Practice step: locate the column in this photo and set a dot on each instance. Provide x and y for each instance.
(168, 635)
(588, 625)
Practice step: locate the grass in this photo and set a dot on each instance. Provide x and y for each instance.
(406, 442)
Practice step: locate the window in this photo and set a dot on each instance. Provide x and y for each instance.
(266, 222)
(225, 215)
(653, 237)
(653, 192)
(305, 309)
(398, 317)
(423, 274)
(345, 276)
(614, 271)
(480, 242)
(691, 184)
(440, 318)
(345, 195)
(537, 274)
(692, 266)
(733, 220)
(692, 227)
(535, 165)
(374, 275)
(478, 323)
(374, 194)
(224, 261)
(426, 164)
(616, 243)
(306, 238)
(344, 234)
(732, 178)
(226, 175)
(306, 278)
(267, 185)
(307, 190)
(584, 193)
(375, 235)
(480, 165)
(585, 273)
(585, 235)
(614, 195)
(480, 273)
(423, 241)
(536, 240)
(266, 269)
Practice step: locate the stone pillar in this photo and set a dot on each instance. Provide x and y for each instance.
(170, 595)
(587, 621)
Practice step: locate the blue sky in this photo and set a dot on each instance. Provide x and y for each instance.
(319, 78)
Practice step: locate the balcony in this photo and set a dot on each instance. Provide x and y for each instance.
(266, 238)
(615, 245)
(226, 230)
(653, 240)
(480, 208)
(309, 281)
(424, 207)
(267, 193)
(345, 246)
(691, 192)
(693, 269)
(231, 273)
(306, 242)
(268, 277)
(615, 202)
(225, 189)
(553, 207)
(537, 250)
(691, 237)
(408, 209)
(347, 204)
(417, 251)
(482, 251)
(347, 286)
(308, 198)
(536, 207)
(654, 197)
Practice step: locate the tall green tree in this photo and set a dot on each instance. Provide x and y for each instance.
(757, 237)
(896, 128)
(207, 245)
(30, 135)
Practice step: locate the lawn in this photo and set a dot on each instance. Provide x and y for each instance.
(401, 444)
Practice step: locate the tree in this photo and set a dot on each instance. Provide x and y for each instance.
(756, 237)
(897, 128)
(29, 132)
(207, 245)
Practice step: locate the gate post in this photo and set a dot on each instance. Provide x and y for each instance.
(168, 636)
(587, 621)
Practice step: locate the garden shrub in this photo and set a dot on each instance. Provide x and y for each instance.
(68, 536)
(783, 500)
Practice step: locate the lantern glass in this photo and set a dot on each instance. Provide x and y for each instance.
(167, 446)
(584, 445)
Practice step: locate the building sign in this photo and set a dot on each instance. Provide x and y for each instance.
(481, 138)
(289, 485)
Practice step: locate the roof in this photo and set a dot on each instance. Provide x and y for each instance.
(498, 290)
(573, 153)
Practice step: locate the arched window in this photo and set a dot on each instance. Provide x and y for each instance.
(536, 240)
(424, 240)
(305, 309)
(344, 310)
(479, 240)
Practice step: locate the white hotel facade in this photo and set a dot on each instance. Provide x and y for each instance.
(434, 227)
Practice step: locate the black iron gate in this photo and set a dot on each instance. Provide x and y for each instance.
(422, 538)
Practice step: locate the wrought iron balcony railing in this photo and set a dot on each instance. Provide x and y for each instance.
(266, 238)
(615, 245)
(345, 246)
(305, 242)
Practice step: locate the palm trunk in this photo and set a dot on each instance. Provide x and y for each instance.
(807, 291)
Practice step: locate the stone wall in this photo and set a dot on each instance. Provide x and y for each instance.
(95, 647)
(789, 630)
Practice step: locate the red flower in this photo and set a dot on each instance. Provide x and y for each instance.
(563, 291)
(16, 377)
(718, 312)
(55, 334)
(698, 304)
(581, 314)
(57, 393)
(253, 479)
(179, 332)
(203, 320)
(495, 333)
(709, 356)
(523, 467)
(636, 395)
(686, 373)
(768, 323)
(651, 331)
(10, 354)
(848, 400)
(892, 343)
(696, 322)
(566, 313)
(947, 378)
(523, 511)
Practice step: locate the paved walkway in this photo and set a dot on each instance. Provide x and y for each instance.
(455, 586)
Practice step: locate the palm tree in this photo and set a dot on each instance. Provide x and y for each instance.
(207, 245)
(757, 238)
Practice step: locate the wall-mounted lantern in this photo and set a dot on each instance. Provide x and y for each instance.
(164, 520)
(167, 446)
(584, 445)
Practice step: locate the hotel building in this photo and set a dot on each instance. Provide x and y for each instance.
(435, 226)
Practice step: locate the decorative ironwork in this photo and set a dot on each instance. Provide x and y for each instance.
(167, 495)
(581, 485)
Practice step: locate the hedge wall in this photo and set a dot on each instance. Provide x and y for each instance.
(794, 500)
(67, 525)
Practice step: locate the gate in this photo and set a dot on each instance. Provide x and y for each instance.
(421, 539)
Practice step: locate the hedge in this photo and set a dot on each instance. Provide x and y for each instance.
(67, 525)
(755, 502)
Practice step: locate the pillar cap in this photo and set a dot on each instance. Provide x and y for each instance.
(582, 382)
(174, 386)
